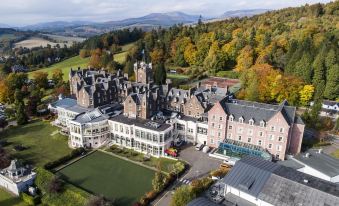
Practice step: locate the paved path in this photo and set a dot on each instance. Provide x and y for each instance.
(72, 161)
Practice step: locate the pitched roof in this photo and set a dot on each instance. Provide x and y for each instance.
(257, 111)
(280, 185)
(320, 161)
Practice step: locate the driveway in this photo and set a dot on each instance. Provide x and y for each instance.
(200, 165)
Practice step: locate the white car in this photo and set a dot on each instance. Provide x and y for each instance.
(199, 147)
(206, 149)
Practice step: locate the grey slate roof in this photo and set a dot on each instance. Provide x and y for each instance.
(250, 175)
(280, 185)
(90, 117)
(141, 123)
(321, 162)
(201, 201)
(291, 163)
(258, 111)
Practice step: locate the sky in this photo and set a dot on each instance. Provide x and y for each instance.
(26, 12)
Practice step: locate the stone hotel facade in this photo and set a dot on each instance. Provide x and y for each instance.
(110, 109)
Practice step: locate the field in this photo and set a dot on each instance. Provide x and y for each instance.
(67, 39)
(65, 66)
(7, 199)
(37, 42)
(76, 62)
(41, 142)
(114, 178)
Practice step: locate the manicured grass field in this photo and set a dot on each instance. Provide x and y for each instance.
(177, 76)
(114, 178)
(65, 66)
(42, 146)
(7, 199)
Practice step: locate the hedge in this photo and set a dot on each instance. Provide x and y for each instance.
(70, 195)
(75, 153)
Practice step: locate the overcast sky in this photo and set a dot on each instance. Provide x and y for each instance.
(24, 12)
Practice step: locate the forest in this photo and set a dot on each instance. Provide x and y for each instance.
(288, 54)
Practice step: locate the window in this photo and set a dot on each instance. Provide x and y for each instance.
(212, 125)
(261, 134)
(269, 146)
(280, 138)
(250, 132)
(229, 135)
(272, 128)
(279, 148)
(219, 134)
(251, 122)
(213, 117)
(231, 118)
(212, 142)
(230, 127)
(271, 137)
(281, 130)
(212, 133)
(240, 130)
(220, 118)
(262, 124)
(249, 140)
(241, 120)
(239, 137)
(220, 126)
(259, 142)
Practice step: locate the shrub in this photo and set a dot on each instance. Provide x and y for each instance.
(30, 200)
(221, 172)
(75, 153)
(182, 196)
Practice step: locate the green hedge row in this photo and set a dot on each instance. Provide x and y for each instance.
(75, 153)
(30, 200)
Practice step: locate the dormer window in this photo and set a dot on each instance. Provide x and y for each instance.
(231, 118)
(262, 123)
(251, 122)
(241, 120)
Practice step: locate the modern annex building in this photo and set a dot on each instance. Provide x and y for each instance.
(110, 109)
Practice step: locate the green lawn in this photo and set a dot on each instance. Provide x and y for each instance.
(177, 76)
(336, 154)
(114, 178)
(42, 146)
(7, 199)
(65, 66)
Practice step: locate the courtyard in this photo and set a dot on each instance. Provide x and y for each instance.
(116, 179)
(36, 142)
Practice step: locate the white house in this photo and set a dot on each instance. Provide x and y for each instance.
(261, 182)
(314, 162)
(16, 178)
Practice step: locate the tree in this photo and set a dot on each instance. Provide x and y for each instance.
(99, 201)
(157, 56)
(55, 185)
(95, 59)
(245, 59)
(332, 85)
(57, 77)
(20, 113)
(306, 95)
(158, 181)
(3, 123)
(160, 74)
(84, 53)
(303, 68)
(319, 69)
(182, 196)
(41, 79)
(4, 159)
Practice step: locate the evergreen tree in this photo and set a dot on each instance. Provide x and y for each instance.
(160, 73)
(319, 69)
(21, 116)
(332, 84)
(303, 68)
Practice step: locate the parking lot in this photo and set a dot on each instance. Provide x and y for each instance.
(201, 164)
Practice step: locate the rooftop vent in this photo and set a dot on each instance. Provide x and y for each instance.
(320, 151)
(307, 155)
(305, 181)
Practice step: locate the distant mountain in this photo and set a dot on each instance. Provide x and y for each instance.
(156, 19)
(55, 25)
(243, 13)
(84, 28)
(5, 26)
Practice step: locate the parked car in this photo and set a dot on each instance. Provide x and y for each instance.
(206, 149)
(171, 152)
(199, 147)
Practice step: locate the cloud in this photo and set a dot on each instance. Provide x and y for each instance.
(23, 12)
